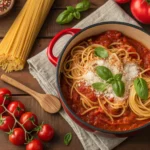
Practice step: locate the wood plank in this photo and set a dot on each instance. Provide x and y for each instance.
(137, 142)
(60, 126)
(50, 27)
(24, 76)
(62, 4)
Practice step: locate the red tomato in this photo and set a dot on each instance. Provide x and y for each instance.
(1, 109)
(46, 132)
(141, 10)
(122, 1)
(6, 123)
(17, 108)
(5, 94)
(29, 120)
(34, 145)
(17, 137)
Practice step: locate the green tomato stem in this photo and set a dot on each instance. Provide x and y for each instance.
(148, 1)
(16, 121)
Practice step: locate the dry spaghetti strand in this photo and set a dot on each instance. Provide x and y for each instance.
(139, 107)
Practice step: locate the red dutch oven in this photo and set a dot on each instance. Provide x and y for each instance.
(79, 35)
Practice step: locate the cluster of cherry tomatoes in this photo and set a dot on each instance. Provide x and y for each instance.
(22, 125)
(140, 9)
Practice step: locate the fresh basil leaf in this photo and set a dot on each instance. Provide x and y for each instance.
(101, 52)
(70, 9)
(141, 88)
(67, 138)
(118, 87)
(100, 86)
(77, 15)
(83, 6)
(65, 17)
(118, 77)
(110, 80)
(104, 72)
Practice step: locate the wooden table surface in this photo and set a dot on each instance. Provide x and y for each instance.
(139, 142)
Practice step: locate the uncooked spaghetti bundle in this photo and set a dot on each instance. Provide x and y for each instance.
(17, 44)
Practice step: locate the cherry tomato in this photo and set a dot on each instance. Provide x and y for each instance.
(34, 145)
(17, 137)
(141, 10)
(5, 94)
(29, 120)
(122, 1)
(46, 132)
(17, 108)
(6, 123)
(1, 109)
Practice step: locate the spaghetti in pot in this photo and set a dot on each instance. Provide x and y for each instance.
(98, 108)
(138, 106)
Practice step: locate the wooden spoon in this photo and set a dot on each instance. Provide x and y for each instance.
(48, 102)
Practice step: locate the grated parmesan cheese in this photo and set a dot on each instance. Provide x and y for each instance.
(129, 71)
(91, 78)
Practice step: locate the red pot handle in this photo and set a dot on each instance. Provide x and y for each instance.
(51, 57)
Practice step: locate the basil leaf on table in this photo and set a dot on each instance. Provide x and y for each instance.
(67, 138)
(101, 52)
(104, 72)
(118, 87)
(100, 86)
(65, 17)
(118, 77)
(70, 9)
(141, 88)
(83, 6)
(71, 12)
(77, 15)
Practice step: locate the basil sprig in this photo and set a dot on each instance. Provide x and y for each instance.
(118, 87)
(83, 6)
(70, 8)
(101, 52)
(100, 86)
(65, 17)
(67, 138)
(141, 88)
(110, 80)
(115, 80)
(104, 72)
(70, 13)
(118, 77)
(77, 14)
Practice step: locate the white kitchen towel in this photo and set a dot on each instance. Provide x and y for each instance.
(45, 73)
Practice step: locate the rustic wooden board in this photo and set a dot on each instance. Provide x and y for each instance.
(49, 29)
(62, 4)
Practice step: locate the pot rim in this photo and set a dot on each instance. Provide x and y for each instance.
(61, 93)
